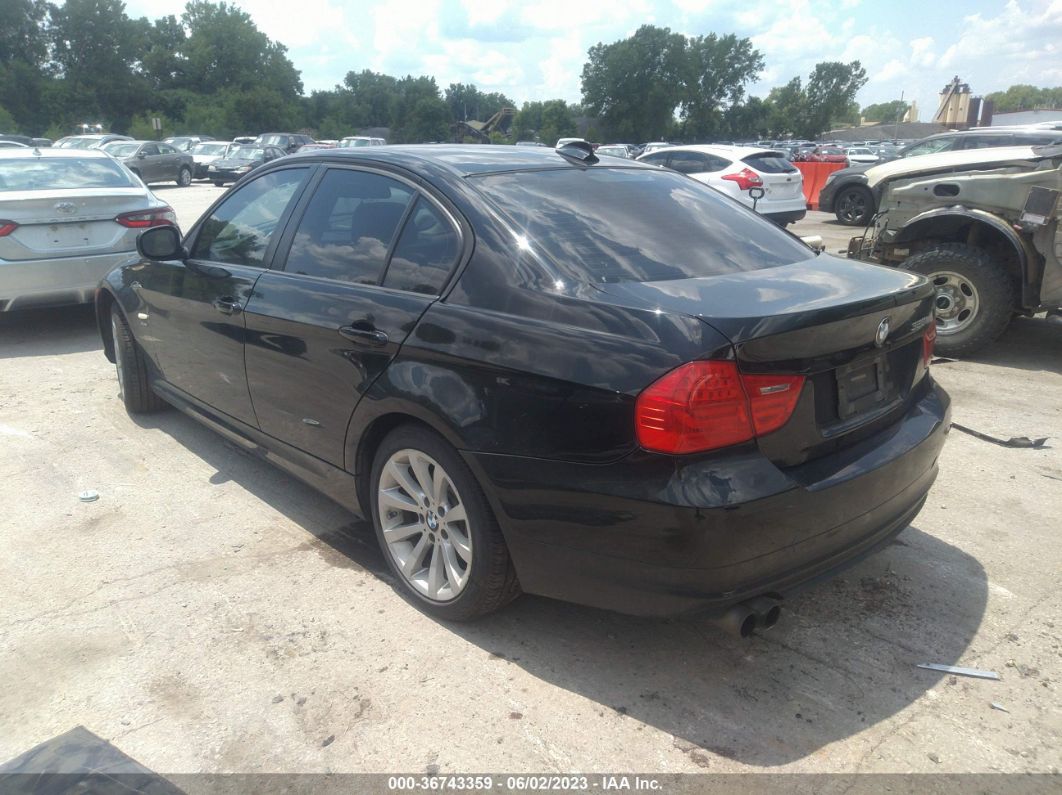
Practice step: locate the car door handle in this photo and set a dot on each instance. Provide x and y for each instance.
(365, 336)
(228, 306)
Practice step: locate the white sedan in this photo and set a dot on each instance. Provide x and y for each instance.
(67, 217)
(759, 178)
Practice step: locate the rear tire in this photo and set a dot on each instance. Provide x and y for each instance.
(184, 177)
(975, 296)
(131, 365)
(219, 184)
(428, 476)
(854, 205)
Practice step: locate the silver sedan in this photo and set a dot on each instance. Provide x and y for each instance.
(67, 217)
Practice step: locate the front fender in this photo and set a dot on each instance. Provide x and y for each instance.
(114, 288)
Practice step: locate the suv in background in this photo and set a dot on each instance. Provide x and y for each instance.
(289, 142)
(847, 196)
(354, 141)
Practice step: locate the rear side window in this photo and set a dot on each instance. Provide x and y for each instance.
(425, 253)
(691, 162)
(61, 173)
(769, 163)
(616, 224)
(656, 158)
(347, 229)
(238, 232)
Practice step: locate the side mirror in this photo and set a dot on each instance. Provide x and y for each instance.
(161, 243)
(140, 155)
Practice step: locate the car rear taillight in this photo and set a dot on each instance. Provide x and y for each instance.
(928, 339)
(7, 227)
(745, 179)
(709, 404)
(142, 219)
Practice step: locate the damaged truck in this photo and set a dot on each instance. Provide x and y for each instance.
(983, 226)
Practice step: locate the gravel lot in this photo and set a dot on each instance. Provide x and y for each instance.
(210, 614)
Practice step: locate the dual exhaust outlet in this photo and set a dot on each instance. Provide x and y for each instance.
(758, 613)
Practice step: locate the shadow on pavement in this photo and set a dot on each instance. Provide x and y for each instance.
(1029, 343)
(49, 332)
(841, 660)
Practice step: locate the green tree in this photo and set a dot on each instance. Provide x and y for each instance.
(786, 106)
(419, 113)
(371, 98)
(716, 71)
(468, 102)
(7, 121)
(95, 48)
(635, 85)
(557, 122)
(886, 111)
(225, 50)
(830, 90)
(1026, 97)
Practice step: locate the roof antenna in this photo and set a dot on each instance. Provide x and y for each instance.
(578, 150)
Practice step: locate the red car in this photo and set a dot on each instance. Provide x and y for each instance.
(828, 154)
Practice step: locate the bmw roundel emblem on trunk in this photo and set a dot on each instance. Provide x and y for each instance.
(882, 333)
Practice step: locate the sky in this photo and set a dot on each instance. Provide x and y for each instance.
(535, 49)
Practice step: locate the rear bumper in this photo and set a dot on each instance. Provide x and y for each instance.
(27, 284)
(655, 535)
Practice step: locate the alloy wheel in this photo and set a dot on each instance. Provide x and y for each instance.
(424, 525)
(852, 206)
(956, 301)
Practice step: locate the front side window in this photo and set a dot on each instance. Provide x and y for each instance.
(347, 229)
(656, 158)
(239, 231)
(150, 149)
(425, 253)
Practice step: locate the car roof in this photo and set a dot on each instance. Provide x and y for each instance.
(726, 150)
(458, 159)
(32, 151)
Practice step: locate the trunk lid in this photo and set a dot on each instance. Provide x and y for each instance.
(59, 223)
(819, 318)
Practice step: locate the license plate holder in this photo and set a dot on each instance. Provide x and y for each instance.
(862, 386)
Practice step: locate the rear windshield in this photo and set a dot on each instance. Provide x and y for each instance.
(770, 163)
(121, 150)
(273, 140)
(617, 225)
(59, 173)
(210, 149)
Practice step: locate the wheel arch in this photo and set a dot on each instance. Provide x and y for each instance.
(982, 230)
(362, 449)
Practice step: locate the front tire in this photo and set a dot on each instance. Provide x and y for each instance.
(854, 205)
(184, 177)
(131, 365)
(436, 529)
(975, 296)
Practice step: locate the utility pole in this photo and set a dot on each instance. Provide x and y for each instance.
(896, 126)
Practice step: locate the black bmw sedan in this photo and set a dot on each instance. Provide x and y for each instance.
(537, 371)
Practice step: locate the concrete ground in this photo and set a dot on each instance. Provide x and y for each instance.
(210, 614)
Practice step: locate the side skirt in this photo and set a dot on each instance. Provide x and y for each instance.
(337, 484)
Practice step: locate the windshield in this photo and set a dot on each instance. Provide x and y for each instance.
(614, 151)
(61, 173)
(246, 153)
(349, 142)
(78, 143)
(210, 149)
(273, 140)
(617, 224)
(121, 150)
